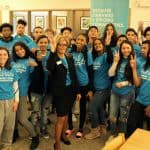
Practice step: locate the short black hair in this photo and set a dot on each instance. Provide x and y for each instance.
(146, 30)
(120, 36)
(131, 30)
(65, 28)
(6, 25)
(41, 37)
(21, 21)
(92, 27)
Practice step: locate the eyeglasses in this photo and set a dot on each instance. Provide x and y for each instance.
(64, 45)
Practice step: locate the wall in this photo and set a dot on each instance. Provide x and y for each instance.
(140, 11)
(136, 13)
(46, 4)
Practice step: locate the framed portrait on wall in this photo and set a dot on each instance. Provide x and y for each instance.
(84, 22)
(39, 21)
(61, 21)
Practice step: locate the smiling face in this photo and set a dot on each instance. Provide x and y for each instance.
(19, 50)
(98, 46)
(43, 44)
(126, 50)
(3, 57)
(62, 46)
(80, 42)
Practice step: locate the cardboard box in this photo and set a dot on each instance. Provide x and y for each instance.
(139, 140)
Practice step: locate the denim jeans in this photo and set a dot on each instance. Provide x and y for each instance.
(120, 106)
(22, 115)
(97, 107)
(40, 110)
(45, 108)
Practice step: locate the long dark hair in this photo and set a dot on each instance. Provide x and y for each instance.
(94, 52)
(28, 53)
(147, 64)
(128, 71)
(114, 36)
(7, 64)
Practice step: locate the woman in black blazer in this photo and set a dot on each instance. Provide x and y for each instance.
(63, 86)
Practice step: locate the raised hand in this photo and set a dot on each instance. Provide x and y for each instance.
(116, 57)
(133, 62)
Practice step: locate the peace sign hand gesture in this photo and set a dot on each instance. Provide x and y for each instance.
(133, 62)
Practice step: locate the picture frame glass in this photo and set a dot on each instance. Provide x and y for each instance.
(85, 23)
(61, 21)
(39, 21)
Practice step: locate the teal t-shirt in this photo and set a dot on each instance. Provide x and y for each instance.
(143, 95)
(137, 50)
(101, 78)
(23, 69)
(32, 44)
(119, 77)
(8, 44)
(68, 79)
(7, 79)
(81, 68)
(24, 38)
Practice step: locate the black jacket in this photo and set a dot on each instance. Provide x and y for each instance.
(58, 74)
(37, 79)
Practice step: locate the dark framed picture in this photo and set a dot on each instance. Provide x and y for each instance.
(84, 22)
(39, 21)
(61, 21)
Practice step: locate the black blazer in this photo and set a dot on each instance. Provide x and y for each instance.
(58, 74)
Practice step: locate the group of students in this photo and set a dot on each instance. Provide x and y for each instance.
(112, 70)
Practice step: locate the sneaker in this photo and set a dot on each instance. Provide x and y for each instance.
(29, 138)
(35, 142)
(69, 132)
(103, 129)
(45, 134)
(74, 119)
(93, 134)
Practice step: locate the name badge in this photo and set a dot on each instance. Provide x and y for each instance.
(59, 62)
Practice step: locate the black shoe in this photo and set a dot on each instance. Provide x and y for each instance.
(15, 136)
(65, 141)
(35, 143)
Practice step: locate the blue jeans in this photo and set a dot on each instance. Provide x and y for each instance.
(45, 108)
(40, 110)
(97, 107)
(120, 106)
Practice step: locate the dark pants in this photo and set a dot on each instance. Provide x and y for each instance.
(136, 118)
(83, 101)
